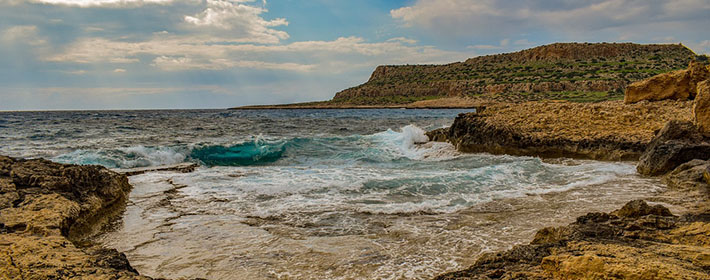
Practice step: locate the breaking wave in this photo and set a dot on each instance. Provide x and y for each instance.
(408, 143)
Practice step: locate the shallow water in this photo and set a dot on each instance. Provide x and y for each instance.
(313, 194)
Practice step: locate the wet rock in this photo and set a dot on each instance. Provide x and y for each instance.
(186, 167)
(438, 135)
(677, 143)
(688, 176)
(637, 241)
(639, 208)
(701, 107)
(46, 208)
(678, 85)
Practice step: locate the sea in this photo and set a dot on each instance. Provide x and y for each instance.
(315, 194)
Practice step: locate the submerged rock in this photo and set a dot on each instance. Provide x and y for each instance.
(678, 85)
(46, 208)
(677, 143)
(185, 167)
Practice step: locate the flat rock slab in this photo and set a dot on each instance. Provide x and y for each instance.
(180, 167)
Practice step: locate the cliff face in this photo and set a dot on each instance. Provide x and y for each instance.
(562, 67)
(45, 210)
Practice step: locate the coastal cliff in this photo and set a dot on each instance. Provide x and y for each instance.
(46, 210)
(597, 71)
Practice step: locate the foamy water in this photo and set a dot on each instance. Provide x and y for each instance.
(317, 194)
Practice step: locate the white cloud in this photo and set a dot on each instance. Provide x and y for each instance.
(496, 18)
(101, 3)
(241, 20)
(186, 63)
(119, 70)
(23, 34)
(77, 72)
(503, 44)
(175, 53)
(403, 40)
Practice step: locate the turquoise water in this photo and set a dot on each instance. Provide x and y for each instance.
(315, 194)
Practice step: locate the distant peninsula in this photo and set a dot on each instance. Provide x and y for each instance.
(577, 72)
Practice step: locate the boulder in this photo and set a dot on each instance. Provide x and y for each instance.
(701, 107)
(639, 208)
(677, 143)
(688, 176)
(679, 85)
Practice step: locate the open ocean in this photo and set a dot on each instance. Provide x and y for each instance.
(315, 194)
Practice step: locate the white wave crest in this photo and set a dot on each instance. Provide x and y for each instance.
(411, 142)
(130, 157)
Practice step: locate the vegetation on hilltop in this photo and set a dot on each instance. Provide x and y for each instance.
(569, 71)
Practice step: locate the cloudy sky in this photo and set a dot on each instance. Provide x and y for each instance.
(136, 54)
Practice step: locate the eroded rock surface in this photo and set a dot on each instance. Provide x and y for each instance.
(677, 143)
(677, 85)
(438, 135)
(45, 210)
(638, 241)
(701, 107)
(606, 130)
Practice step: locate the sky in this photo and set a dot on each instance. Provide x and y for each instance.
(169, 54)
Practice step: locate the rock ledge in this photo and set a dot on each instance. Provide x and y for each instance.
(46, 210)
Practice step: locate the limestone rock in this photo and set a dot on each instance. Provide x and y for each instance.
(636, 242)
(701, 107)
(639, 208)
(46, 208)
(678, 85)
(689, 176)
(438, 135)
(677, 143)
(605, 130)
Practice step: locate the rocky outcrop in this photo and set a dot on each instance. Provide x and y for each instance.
(46, 209)
(701, 107)
(606, 130)
(473, 134)
(638, 241)
(678, 85)
(561, 67)
(438, 135)
(677, 143)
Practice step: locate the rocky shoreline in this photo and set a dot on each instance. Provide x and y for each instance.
(46, 211)
(608, 130)
(638, 241)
